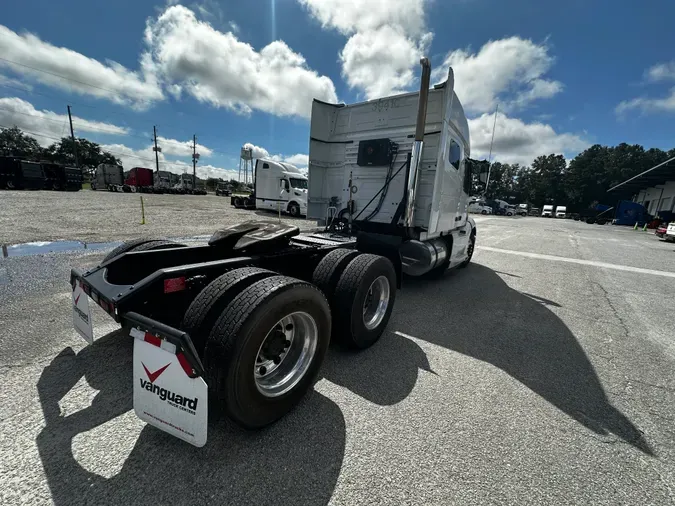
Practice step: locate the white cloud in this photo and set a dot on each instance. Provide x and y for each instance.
(145, 157)
(234, 27)
(181, 148)
(257, 151)
(508, 71)
(386, 40)
(14, 83)
(661, 72)
(85, 75)
(350, 16)
(520, 142)
(646, 104)
(219, 69)
(299, 160)
(17, 112)
(656, 73)
(380, 61)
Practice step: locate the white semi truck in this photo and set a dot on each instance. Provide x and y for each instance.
(561, 211)
(396, 168)
(547, 211)
(280, 186)
(243, 323)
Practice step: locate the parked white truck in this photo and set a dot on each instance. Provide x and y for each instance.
(547, 211)
(561, 212)
(280, 186)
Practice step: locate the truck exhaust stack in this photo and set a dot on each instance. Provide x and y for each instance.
(416, 155)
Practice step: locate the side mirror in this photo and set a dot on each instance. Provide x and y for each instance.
(282, 184)
(483, 177)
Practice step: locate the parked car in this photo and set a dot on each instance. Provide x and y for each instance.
(479, 208)
(661, 230)
(670, 231)
(224, 189)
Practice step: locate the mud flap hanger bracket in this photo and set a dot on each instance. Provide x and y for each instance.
(176, 337)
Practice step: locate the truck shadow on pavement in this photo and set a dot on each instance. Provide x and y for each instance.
(517, 333)
(295, 461)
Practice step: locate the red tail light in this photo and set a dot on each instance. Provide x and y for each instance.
(174, 284)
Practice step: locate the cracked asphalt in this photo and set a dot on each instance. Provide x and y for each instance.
(544, 373)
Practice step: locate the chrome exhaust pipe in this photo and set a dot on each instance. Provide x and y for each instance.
(416, 156)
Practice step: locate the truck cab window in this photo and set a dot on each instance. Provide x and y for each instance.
(300, 184)
(467, 176)
(455, 154)
(266, 165)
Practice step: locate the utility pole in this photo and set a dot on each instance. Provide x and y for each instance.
(156, 150)
(494, 127)
(195, 156)
(72, 137)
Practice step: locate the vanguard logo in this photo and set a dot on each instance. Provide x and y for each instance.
(172, 398)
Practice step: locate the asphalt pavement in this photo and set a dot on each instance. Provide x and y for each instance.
(541, 374)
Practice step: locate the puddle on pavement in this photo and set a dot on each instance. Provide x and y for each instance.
(42, 247)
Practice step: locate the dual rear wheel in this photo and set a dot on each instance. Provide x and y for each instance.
(263, 337)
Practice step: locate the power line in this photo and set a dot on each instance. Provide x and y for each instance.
(60, 76)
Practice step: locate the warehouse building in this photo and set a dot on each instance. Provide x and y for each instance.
(653, 188)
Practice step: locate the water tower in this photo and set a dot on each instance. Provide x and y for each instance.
(246, 165)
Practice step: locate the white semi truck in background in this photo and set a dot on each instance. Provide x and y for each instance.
(561, 212)
(547, 211)
(243, 323)
(278, 186)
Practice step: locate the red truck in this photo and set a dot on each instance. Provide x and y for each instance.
(141, 179)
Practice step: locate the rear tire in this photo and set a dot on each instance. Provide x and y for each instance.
(249, 331)
(470, 248)
(237, 202)
(330, 268)
(364, 298)
(153, 245)
(205, 309)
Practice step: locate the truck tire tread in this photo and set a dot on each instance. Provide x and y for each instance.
(328, 271)
(348, 326)
(127, 246)
(153, 245)
(206, 307)
(228, 341)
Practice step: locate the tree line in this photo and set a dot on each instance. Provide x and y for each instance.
(13, 142)
(582, 183)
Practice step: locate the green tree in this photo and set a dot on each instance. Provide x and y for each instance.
(547, 180)
(88, 153)
(13, 142)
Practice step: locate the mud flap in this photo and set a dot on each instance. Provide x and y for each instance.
(167, 393)
(81, 314)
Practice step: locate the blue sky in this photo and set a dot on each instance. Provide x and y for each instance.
(565, 75)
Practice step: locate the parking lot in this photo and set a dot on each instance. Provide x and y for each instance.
(101, 216)
(541, 374)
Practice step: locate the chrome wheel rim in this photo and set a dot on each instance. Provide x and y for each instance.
(472, 243)
(376, 303)
(285, 354)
